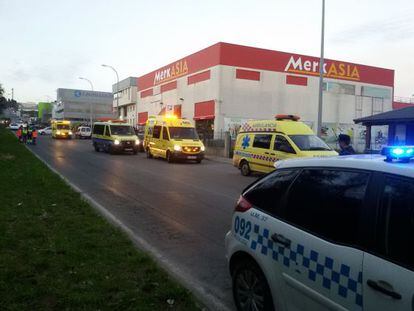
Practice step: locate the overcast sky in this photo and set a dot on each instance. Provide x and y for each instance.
(48, 44)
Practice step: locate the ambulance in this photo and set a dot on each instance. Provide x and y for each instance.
(114, 136)
(261, 143)
(173, 139)
(61, 129)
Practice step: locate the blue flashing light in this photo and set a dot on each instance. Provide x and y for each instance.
(402, 153)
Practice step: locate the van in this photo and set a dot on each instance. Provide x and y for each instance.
(114, 137)
(173, 139)
(261, 143)
(61, 129)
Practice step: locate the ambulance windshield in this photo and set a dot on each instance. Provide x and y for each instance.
(309, 142)
(62, 127)
(122, 130)
(183, 133)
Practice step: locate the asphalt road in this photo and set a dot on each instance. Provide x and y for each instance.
(183, 210)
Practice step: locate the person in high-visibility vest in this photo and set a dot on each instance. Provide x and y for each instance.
(24, 134)
(19, 134)
(29, 135)
(34, 136)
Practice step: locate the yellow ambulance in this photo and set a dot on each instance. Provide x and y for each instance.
(173, 139)
(261, 143)
(61, 129)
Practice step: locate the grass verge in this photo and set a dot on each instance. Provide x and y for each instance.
(57, 253)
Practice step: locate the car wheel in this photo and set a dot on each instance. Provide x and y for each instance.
(250, 288)
(170, 158)
(96, 147)
(135, 151)
(198, 161)
(149, 155)
(245, 168)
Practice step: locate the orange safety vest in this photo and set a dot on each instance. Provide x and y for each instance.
(34, 134)
(19, 133)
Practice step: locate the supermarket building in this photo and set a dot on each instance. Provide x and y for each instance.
(224, 85)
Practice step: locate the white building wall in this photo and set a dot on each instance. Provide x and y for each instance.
(247, 99)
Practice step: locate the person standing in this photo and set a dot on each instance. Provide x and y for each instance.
(19, 133)
(34, 136)
(24, 133)
(344, 142)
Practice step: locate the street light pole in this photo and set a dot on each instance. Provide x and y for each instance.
(321, 65)
(90, 104)
(117, 88)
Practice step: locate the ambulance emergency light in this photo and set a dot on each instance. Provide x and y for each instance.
(401, 153)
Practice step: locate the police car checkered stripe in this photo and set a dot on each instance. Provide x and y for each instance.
(332, 275)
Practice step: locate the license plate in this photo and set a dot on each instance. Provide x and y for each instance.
(191, 157)
(128, 149)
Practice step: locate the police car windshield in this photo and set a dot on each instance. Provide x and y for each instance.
(62, 127)
(309, 142)
(122, 130)
(183, 133)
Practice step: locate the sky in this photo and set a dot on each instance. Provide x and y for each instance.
(45, 45)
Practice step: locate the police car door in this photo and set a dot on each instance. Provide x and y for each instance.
(389, 276)
(321, 268)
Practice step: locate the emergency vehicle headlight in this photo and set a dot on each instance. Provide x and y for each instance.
(70, 132)
(177, 148)
(58, 132)
(116, 142)
(398, 152)
(137, 141)
(203, 148)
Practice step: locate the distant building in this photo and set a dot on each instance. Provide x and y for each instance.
(82, 105)
(126, 94)
(44, 111)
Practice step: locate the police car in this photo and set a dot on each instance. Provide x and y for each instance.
(327, 234)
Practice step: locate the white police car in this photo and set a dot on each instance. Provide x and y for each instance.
(327, 234)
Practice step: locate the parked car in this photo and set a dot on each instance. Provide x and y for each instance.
(45, 131)
(326, 234)
(83, 132)
(14, 126)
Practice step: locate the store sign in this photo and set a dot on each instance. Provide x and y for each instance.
(331, 69)
(174, 71)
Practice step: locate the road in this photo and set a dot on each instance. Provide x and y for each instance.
(183, 210)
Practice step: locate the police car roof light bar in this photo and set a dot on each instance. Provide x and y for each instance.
(399, 153)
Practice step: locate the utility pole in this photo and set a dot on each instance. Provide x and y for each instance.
(321, 65)
(12, 93)
(117, 89)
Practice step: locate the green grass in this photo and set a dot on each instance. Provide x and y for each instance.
(57, 253)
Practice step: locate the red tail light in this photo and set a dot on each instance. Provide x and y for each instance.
(242, 205)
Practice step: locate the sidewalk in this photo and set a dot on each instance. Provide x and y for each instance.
(219, 159)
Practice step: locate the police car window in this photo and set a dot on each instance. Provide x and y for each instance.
(156, 132)
(262, 141)
(328, 203)
(282, 144)
(397, 208)
(267, 194)
(164, 133)
(106, 131)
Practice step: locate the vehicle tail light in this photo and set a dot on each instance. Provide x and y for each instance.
(242, 205)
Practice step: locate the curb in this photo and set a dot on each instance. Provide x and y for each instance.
(208, 300)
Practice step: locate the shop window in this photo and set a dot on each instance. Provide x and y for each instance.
(376, 92)
(339, 88)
